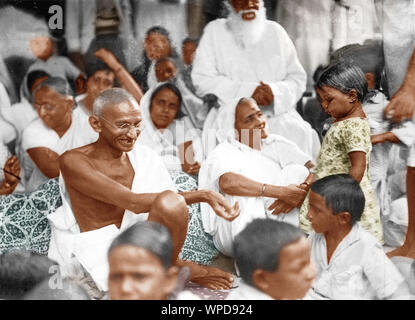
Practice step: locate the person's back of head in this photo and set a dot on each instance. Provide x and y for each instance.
(264, 253)
(341, 193)
(22, 270)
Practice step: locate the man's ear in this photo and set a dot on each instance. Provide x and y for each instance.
(370, 79)
(344, 218)
(259, 279)
(95, 123)
(70, 102)
(171, 280)
(352, 94)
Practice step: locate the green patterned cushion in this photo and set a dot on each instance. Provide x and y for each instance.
(198, 246)
(23, 222)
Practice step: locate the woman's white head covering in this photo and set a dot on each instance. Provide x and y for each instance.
(161, 143)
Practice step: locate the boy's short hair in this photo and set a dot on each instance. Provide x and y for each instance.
(149, 235)
(258, 246)
(341, 193)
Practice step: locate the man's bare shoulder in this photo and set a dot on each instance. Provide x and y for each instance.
(74, 157)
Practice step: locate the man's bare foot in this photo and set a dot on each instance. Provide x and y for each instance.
(209, 277)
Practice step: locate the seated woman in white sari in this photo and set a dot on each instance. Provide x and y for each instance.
(168, 132)
(253, 168)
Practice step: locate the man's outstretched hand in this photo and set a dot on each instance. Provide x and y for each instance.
(222, 207)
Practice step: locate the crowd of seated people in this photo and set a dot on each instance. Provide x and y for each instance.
(191, 171)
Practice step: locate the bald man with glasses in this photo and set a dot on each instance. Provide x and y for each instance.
(112, 183)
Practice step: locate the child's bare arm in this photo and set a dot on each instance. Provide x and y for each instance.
(358, 161)
(388, 136)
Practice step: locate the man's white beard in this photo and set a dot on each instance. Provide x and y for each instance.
(247, 33)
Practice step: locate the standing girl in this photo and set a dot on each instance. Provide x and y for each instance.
(342, 89)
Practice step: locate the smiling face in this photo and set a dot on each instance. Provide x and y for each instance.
(157, 46)
(164, 108)
(247, 8)
(335, 103)
(120, 125)
(52, 107)
(137, 274)
(294, 275)
(249, 118)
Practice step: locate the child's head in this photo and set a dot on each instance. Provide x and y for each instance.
(140, 263)
(341, 88)
(42, 47)
(189, 46)
(274, 257)
(335, 201)
(369, 57)
(157, 43)
(165, 69)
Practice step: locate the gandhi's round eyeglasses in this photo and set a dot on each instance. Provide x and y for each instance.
(126, 127)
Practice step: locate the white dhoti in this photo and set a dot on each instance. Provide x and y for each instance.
(71, 248)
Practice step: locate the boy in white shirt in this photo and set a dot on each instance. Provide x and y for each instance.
(273, 258)
(350, 262)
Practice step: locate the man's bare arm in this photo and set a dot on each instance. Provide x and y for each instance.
(80, 174)
(238, 185)
(215, 200)
(122, 75)
(46, 160)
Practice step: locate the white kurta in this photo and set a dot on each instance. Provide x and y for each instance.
(223, 67)
(379, 157)
(269, 166)
(38, 135)
(150, 176)
(358, 269)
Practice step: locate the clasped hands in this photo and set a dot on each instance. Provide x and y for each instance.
(263, 95)
(293, 197)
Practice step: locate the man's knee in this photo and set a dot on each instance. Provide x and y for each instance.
(169, 204)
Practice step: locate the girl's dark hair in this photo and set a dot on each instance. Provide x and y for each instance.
(345, 76)
(175, 90)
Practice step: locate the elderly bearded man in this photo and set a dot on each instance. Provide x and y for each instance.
(248, 55)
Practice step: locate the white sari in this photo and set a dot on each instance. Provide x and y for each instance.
(165, 143)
